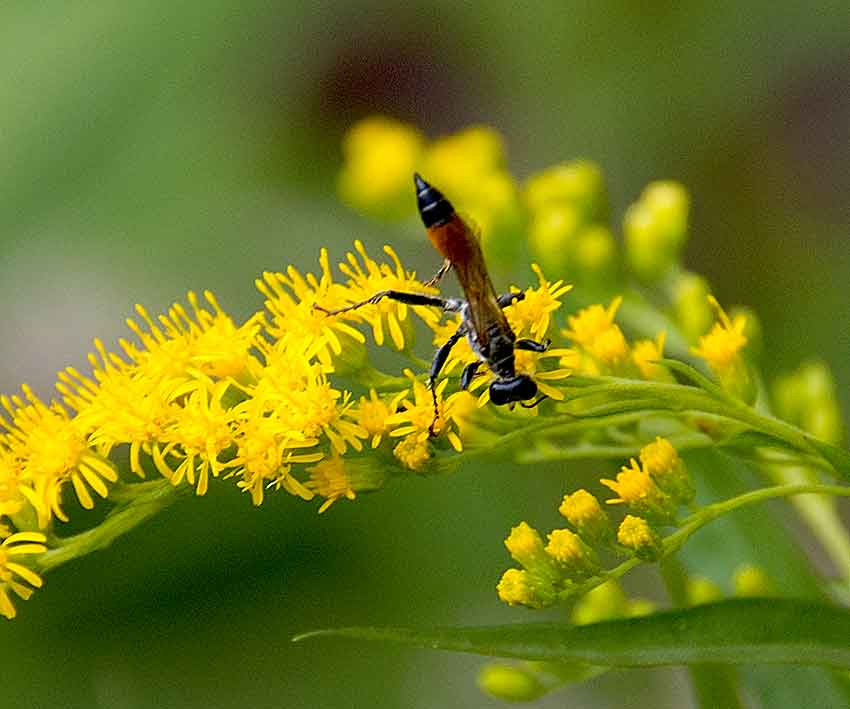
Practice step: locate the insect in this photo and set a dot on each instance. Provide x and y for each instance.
(482, 321)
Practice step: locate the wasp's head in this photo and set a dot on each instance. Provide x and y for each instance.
(507, 391)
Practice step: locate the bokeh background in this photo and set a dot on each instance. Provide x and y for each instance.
(149, 148)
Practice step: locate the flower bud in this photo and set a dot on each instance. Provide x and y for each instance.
(636, 535)
(751, 580)
(510, 682)
(579, 183)
(691, 311)
(583, 512)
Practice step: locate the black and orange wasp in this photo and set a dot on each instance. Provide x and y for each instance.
(482, 321)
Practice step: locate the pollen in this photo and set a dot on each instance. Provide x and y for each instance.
(564, 546)
(413, 453)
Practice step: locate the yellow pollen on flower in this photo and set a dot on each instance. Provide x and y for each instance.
(14, 576)
(372, 414)
(591, 322)
(564, 546)
(413, 453)
(514, 589)
(632, 485)
(636, 534)
(659, 457)
(580, 508)
(722, 345)
(330, 480)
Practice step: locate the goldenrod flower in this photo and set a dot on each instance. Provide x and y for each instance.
(290, 299)
(122, 404)
(515, 590)
(12, 498)
(575, 557)
(722, 346)
(636, 534)
(531, 316)
(636, 488)
(205, 343)
(337, 476)
(591, 322)
(267, 448)
(645, 355)
(372, 414)
(526, 547)
(413, 453)
(661, 461)
(304, 400)
(329, 479)
(721, 349)
(583, 512)
(14, 576)
(196, 437)
(50, 449)
(458, 162)
(417, 415)
(750, 580)
(370, 277)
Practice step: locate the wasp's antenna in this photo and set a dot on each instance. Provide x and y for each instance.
(434, 209)
(533, 404)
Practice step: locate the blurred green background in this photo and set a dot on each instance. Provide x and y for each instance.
(148, 148)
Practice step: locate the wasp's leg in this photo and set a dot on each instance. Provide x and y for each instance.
(436, 365)
(533, 345)
(400, 296)
(507, 299)
(468, 374)
(444, 269)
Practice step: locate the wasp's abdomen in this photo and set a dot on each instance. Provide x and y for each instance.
(434, 208)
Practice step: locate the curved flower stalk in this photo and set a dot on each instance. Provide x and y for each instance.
(291, 401)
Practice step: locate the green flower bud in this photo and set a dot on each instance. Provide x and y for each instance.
(510, 682)
(691, 309)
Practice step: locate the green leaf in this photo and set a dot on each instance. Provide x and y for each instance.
(739, 631)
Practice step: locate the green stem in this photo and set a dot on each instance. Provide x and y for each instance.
(143, 500)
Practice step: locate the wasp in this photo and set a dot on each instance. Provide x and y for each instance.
(483, 323)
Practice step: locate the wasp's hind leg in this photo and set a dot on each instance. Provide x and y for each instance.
(444, 269)
(397, 295)
(436, 366)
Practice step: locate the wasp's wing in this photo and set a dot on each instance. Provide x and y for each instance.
(485, 315)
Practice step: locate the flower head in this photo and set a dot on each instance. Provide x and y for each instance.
(366, 277)
(530, 317)
(636, 534)
(635, 487)
(583, 512)
(721, 347)
(49, 449)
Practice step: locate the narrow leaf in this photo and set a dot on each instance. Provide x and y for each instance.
(738, 631)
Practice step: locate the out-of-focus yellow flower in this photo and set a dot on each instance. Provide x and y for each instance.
(380, 155)
(413, 453)
(579, 184)
(807, 398)
(654, 229)
(645, 355)
(691, 310)
(329, 479)
(15, 576)
(721, 349)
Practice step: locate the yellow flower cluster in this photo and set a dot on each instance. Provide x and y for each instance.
(570, 562)
(601, 348)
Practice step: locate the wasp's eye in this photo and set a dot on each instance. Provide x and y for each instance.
(519, 388)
